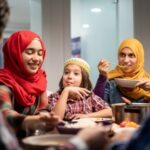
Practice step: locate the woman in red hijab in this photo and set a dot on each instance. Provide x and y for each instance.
(22, 81)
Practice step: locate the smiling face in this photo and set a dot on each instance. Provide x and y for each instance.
(127, 59)
(33, 56)
(72, 76)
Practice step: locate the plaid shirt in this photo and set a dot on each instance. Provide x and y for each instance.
(90, 104)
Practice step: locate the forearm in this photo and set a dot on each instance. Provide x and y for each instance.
(100, 86)
(61, 105)
(102, 113)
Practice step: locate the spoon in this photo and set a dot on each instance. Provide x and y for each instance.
(127, 101)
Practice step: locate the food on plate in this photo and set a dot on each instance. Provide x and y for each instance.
(81, 123)
(129, 124)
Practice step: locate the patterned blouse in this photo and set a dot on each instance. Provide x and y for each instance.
(93, 103)
(14, 112)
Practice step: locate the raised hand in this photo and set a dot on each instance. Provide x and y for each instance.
(103, 67)
(77, 93)
(145, 84)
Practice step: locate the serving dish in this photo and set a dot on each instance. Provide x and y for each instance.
(41, 142)
(126, 82)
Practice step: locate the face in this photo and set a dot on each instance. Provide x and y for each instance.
(72, 76)
(33, 56)
(127, 59)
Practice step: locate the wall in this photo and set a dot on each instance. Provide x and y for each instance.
(107, 29)
(142, 27)
(56, 35)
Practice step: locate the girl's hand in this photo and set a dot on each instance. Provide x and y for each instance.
(144, 84)
(77, 93)
(103, 67)
(78, 116)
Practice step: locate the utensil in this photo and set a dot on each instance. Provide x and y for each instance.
(127, 101)
(133, 112)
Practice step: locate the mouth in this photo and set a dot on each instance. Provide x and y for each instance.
(34, 66)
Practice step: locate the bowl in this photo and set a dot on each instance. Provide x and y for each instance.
(126, 82)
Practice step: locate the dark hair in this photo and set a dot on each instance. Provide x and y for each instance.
(86, 83)
(4, 15)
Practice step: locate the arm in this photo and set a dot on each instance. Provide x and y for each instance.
(69, 92)
(17, 120)
(100, 107)
(100, 86)
(103, 68)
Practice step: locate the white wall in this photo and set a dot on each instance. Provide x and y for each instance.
(56, 35)
(107, 29)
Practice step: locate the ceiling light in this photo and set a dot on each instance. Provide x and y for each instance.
(96, 10)
(86, 26)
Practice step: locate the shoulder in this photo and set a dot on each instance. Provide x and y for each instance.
(5, 88)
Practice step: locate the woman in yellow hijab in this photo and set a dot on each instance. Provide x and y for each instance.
(130, 66)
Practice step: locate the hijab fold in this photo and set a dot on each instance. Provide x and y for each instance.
(25, 86)
(137, 74)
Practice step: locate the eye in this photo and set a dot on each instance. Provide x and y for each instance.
(66, 72)
(40, 52)
(131, 55)
(122, 55)
(76, 73)
(29, 51)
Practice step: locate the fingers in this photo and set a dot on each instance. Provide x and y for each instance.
(103, 66)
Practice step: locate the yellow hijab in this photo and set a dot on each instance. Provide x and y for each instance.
(137, 74)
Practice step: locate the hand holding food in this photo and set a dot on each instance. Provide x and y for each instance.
(103, 67)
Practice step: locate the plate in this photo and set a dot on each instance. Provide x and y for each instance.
(43, 141)
(73, 127)
(126, 82)
(67, 130)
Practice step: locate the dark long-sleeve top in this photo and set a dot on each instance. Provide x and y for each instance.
(109, 91)
(100, 86)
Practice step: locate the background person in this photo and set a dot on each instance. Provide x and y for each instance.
(130, 66)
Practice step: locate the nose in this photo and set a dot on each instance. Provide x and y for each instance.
(36, 57)
(126, 59)
(70, 75)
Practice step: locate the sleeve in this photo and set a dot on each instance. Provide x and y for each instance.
(52, 100)
(98, 103)
(100, 86)
(14, 118)
(107, 92)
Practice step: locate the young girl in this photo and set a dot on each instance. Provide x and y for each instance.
(74, 99)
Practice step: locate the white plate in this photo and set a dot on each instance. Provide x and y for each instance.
(126, 82)
(47, 140)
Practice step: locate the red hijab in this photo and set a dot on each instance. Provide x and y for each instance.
(26, 86)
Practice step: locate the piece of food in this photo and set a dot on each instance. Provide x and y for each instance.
(129, 124)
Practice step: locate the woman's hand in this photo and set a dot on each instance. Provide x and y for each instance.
(103, 67)
(45, 120)
(77, 93)
(144, 84)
